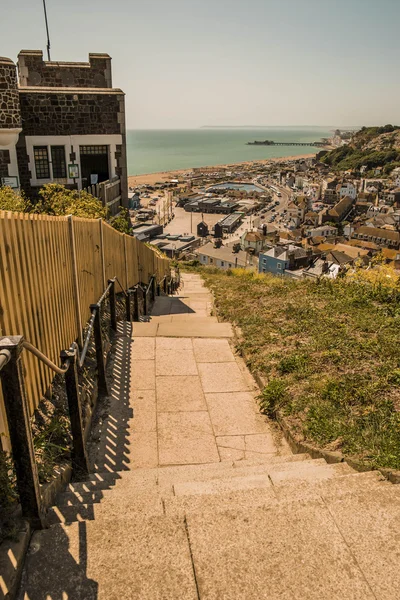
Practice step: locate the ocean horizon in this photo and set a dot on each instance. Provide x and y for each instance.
(156, 150)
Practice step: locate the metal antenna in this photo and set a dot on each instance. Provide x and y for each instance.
(47, 30)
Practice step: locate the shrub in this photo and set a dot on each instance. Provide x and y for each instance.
(122, 222)
(11, 200)
(56, 199)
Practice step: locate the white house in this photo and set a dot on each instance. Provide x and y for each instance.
(348, 188)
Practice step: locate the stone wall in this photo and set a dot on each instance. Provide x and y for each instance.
(4, 162)
(49, 113)
(10, 116)
(23, 166)
(34, 71)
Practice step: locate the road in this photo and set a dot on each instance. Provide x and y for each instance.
(252, 222)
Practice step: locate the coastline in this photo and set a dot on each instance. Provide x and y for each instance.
(152, 178)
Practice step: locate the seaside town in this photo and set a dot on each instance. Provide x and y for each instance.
(199, 324)
(295, 217)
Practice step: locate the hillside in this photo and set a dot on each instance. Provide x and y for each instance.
(328, 351)
(371, 146)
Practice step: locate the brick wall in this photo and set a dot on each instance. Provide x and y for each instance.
(10, 117)
(46, 113)
(4, 162)
(34, 71)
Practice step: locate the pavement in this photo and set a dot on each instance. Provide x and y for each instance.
(194, 495)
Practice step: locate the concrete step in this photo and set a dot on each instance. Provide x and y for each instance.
(278, 551)
(348, 483)
(262, 476)
(111, 486)
(193, 329)
(108, 508)
(238, 499)
(106, 481)
(222, 485)
(179, 474)
(130, 557)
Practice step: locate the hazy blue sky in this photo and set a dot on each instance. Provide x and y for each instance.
(187, 63)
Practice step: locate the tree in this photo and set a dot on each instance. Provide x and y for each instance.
(11, 200)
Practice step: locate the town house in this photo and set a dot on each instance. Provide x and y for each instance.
(62, 122)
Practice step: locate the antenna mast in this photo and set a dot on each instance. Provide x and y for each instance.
(47, 30)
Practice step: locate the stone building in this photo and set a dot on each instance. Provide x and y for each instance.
(62, 122)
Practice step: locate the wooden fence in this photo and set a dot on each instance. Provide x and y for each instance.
(109, 192)
(51, 270)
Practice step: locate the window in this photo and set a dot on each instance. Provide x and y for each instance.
(211, 260)
(279, 266)
(93, 149)
(42, 166)
(222, 263)
(58, 161)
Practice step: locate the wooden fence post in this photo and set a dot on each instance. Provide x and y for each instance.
(103, 264)
(75, 282)
(126, 264)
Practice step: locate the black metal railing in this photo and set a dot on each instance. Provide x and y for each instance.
(15, 401)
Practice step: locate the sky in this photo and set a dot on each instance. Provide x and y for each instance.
(190, 63)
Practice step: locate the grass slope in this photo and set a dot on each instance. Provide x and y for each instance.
(330, 352)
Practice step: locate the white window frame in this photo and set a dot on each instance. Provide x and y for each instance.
(71, 143)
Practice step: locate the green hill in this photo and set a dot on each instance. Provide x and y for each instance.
(371, 146)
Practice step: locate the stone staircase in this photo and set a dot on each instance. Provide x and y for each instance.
(257, 522)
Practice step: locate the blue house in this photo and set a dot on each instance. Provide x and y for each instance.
(279, 259)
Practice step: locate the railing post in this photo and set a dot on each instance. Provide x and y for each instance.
(79, 460)
(102, 259)
(78, 315)
(135, 304)
(12, 381)
(154, 288)
(98, 340)
(128, 305)
(144, 294)
(158, 289)
(113, 309)
(165, 285)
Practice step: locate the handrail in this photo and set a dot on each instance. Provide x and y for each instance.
(87, 338)
(60, 370)
(148, 287)
(121, 286)
(5, 356)
(112, 281)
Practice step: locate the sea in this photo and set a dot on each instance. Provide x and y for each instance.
(155, 150)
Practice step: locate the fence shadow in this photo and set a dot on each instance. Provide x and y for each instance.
(170, 305)
(110, 446)
(56, 566)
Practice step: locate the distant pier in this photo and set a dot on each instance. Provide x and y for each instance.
(271, 143)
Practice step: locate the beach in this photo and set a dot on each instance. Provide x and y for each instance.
(152, 178)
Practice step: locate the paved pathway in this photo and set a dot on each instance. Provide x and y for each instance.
(192, 397)
(192, 496)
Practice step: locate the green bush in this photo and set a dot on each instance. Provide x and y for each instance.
(13, 201)
(122, 222)
(56, 199)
